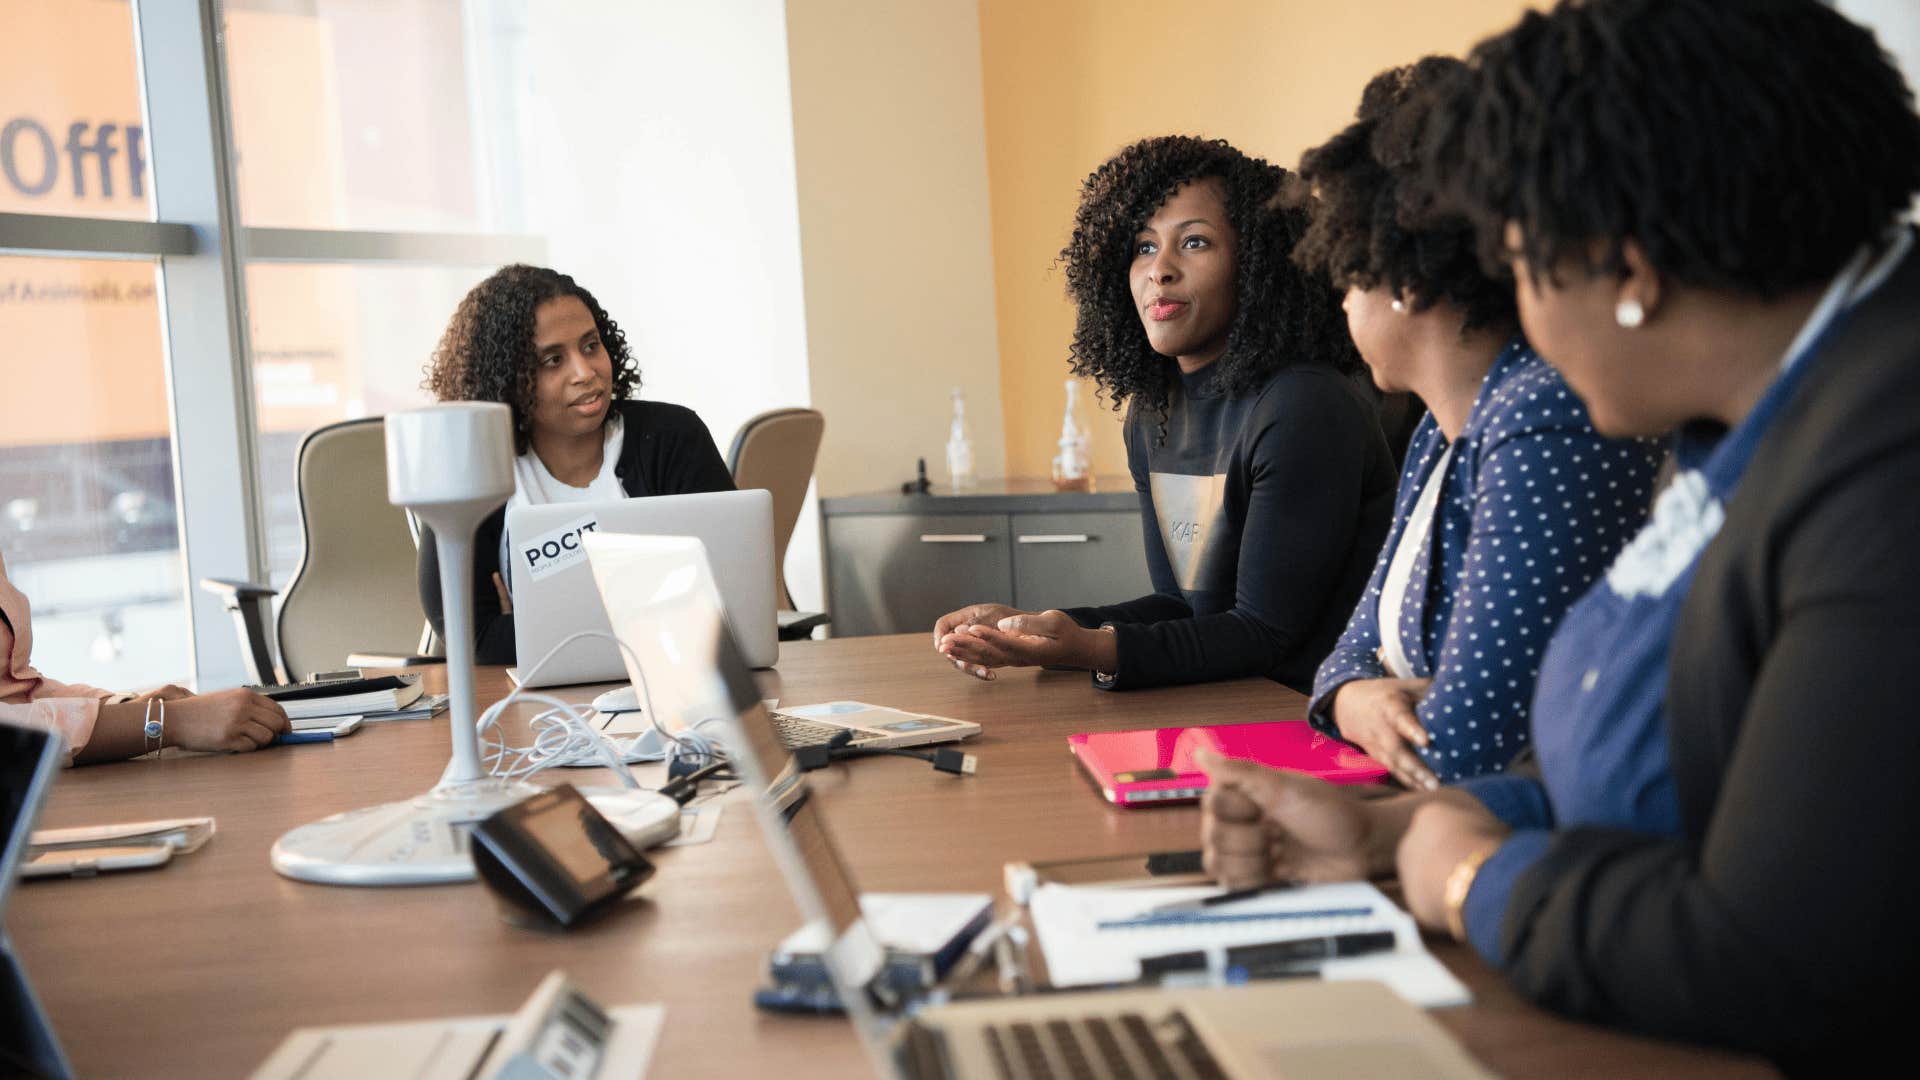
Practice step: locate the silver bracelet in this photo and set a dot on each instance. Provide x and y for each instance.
(1108, 678)
(155, 730)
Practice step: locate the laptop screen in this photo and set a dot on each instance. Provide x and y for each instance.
(810, 835)
(661, 601)
(28, 759)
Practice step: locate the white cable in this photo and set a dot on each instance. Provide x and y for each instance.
(564, 733)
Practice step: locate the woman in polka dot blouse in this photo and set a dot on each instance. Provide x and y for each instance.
(1509, 506)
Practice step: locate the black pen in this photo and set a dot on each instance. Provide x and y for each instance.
(1267, 960)
(1182, 907)
(1301, 956)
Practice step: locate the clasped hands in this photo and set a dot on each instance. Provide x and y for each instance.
(979, 638)
(1261, 825)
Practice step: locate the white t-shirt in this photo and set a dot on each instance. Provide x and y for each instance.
(533, 485)
(1393, 591)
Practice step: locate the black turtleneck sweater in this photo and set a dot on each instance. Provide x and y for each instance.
(1263, 515)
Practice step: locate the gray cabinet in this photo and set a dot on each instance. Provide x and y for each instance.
(897, 563)
(895, 573)
(1077, 560)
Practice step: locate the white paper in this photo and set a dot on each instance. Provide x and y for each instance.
(1079, 952)
(913, 924)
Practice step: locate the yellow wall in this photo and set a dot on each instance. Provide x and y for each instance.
(891, 161)
(1067, 82)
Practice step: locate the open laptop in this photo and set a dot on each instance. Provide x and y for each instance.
(29, 760)
(554, 593)
(648, 583)
(1299, 1029)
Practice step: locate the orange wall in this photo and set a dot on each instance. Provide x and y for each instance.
(1067, 82)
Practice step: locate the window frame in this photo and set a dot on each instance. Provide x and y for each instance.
(202, 251)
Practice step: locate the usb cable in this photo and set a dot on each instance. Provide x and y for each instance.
(820, 755)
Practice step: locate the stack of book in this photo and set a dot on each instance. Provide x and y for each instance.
(329, 702)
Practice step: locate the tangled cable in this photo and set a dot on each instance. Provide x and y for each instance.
(564, 734)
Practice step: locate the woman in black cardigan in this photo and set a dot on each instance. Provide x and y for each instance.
(534, 340)
(1701, 205)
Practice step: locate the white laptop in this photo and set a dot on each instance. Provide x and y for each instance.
(1297, 1029)
(554, 593)
(659, 594)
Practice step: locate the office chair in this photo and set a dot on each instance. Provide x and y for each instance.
(776, 451)
(354, 599)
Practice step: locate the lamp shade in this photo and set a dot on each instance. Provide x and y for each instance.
(458, 452)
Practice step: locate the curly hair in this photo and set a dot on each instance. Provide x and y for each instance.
(1747, 147)
(1375, 222)
(487, 352)
(1281, 315)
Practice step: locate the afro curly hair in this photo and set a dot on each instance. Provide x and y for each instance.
(1282, 315)
(487, 353)
(1375, 222)
(1748, 148)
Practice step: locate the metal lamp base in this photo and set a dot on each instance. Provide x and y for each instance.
(423, 840)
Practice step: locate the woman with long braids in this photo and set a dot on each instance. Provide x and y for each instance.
(534, 340)
(1704, 207)
(1265, 482)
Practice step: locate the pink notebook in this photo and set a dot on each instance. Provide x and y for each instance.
(1135, 768)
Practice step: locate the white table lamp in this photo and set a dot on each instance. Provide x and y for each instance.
(451, 465)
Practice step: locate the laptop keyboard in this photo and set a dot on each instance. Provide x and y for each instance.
(796, 731)
(1123, 1047)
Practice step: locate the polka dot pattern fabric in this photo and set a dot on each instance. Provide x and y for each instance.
(1534, 507)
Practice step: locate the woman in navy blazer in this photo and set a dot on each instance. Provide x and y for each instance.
(1509, 504)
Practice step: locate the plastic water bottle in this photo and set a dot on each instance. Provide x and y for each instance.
(1073, 465)
(959, 446)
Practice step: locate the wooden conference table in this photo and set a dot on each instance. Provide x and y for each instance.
(201, 968)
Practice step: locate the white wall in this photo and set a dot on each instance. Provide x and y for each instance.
(662, 175)
(896, 234)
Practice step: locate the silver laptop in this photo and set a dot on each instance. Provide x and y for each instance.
(554, 593)
(1299, 1029)
(29, 760)
(639, 575)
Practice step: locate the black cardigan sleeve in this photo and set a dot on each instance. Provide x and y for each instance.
(493, 637)
(1305, 473)
(1791, 929)
(679, 454)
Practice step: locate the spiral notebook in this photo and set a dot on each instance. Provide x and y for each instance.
(1097, 936)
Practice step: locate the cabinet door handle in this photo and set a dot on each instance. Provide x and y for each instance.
(953, 538)
(1055, 538)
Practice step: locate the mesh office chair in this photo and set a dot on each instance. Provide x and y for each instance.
(776, 451)
(354, 598)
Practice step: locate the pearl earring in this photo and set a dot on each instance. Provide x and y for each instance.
(1629, 314)
(1399, 305)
